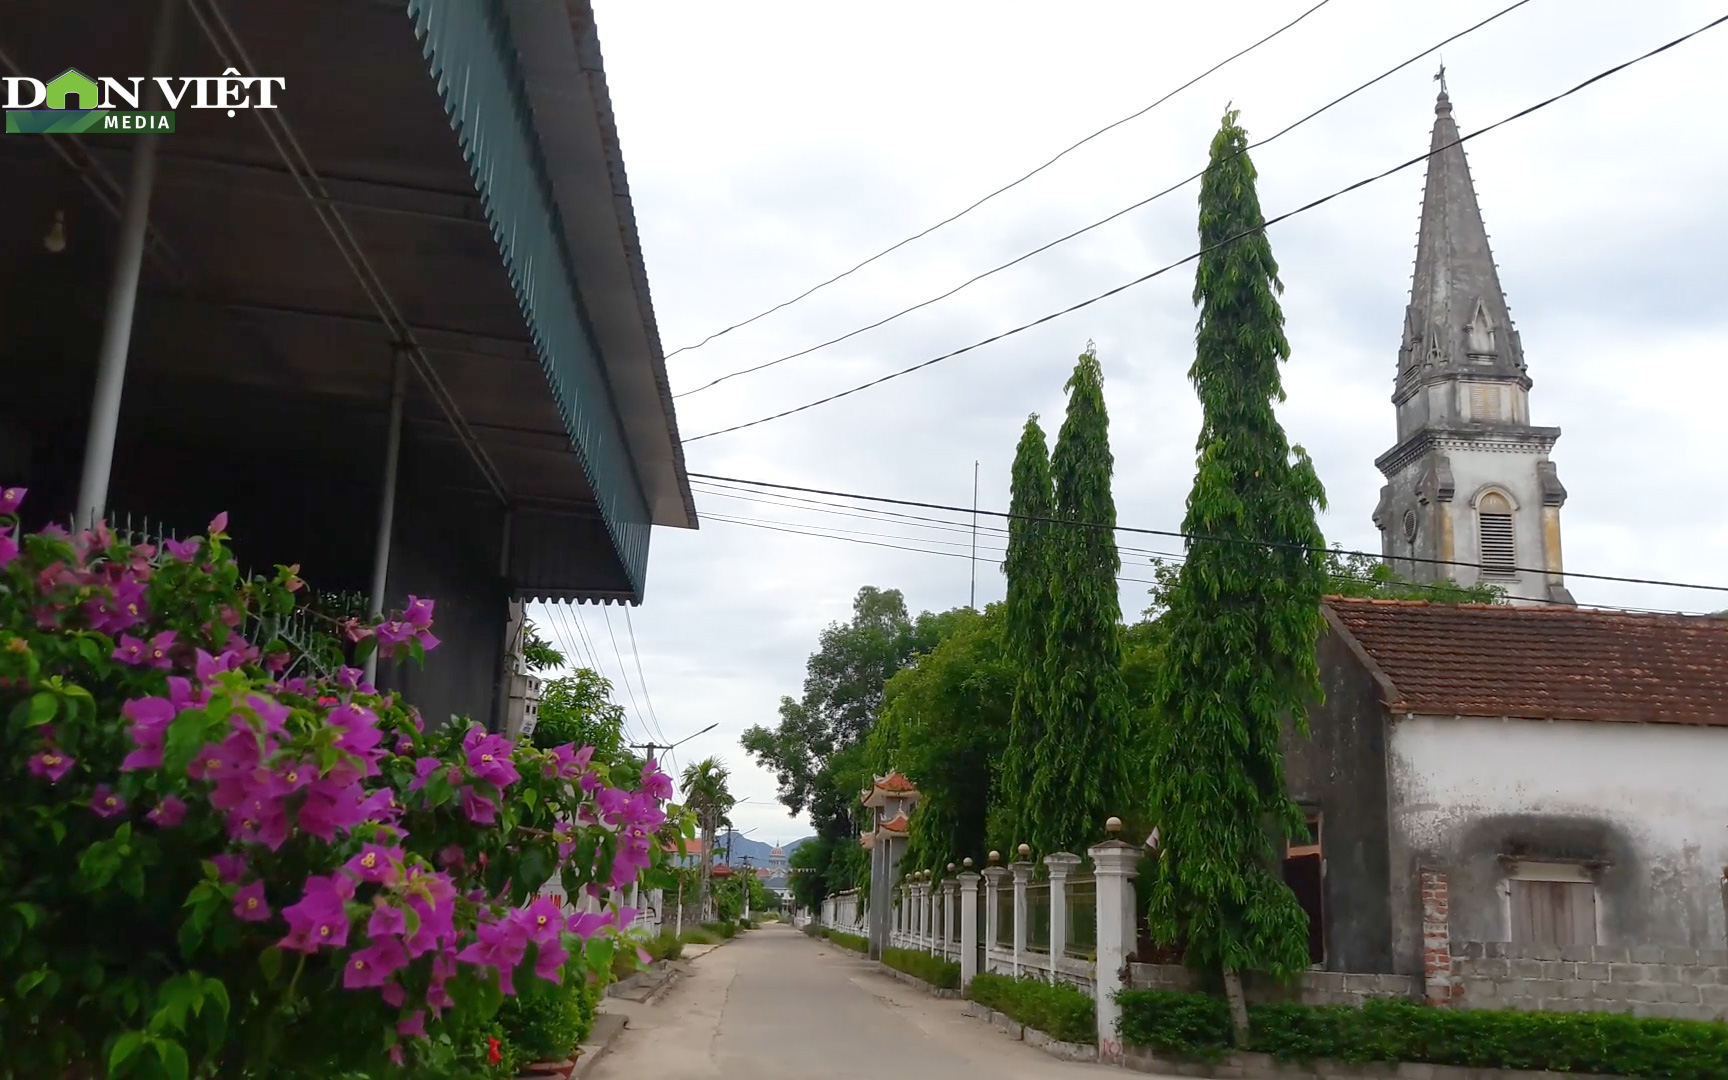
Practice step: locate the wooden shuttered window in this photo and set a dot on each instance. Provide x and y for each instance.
(1553, 912)
(1497, 544)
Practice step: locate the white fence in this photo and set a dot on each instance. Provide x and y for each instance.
(1067, 928)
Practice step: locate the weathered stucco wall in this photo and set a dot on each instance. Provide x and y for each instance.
(1645, 804)
(1340, 769)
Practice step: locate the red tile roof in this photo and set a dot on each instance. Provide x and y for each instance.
(1563, 663)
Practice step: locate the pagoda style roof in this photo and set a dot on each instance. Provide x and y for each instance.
(897, 825)
(892, 786)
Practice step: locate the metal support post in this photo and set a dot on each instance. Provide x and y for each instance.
(387, 501)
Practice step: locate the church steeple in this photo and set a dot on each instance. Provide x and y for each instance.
(1458, 321)
(1470, 495)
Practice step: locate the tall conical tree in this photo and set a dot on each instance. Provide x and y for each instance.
(1078, 769)
(1031, 503)
(1244, 615)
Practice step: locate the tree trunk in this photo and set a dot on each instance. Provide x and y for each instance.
(704, 895)
(1238, 1007)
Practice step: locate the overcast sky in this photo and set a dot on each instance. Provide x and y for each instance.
(770, 146)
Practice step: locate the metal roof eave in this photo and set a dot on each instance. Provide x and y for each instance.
(558, 55)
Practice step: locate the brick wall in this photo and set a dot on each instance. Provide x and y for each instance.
(1687, 984)
(1436, 938)
(1312, 987)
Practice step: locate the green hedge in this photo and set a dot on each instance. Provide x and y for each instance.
(547, 1021)
(940, 973)
(845, 940)
(724, 929)
(1057, 1009)
(1196, 1025)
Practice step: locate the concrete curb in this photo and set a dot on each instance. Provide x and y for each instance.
(1031, 1036)
(1245, 1066)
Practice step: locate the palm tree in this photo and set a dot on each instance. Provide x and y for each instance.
(706, 793)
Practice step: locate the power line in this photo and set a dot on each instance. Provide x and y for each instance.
(1365, 579)
(1212, 247)
(1154, 197)
(956, 217)
(622, 670)
(574, 618)
(1191, 537)
(640, 677)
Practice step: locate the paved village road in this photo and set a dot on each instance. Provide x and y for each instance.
(774, 1003)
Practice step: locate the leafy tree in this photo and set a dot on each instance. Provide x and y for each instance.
(944, 724)
(1243, 616)
(1078, 777)
(816, 751)
(578, 708)
(707, 794)
(538, 653)
(1032, 503)
(1364, 575)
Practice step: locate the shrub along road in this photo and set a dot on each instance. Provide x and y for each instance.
(775, 1003)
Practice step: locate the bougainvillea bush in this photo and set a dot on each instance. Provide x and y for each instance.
(219, 858)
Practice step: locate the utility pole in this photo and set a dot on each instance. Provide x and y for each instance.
(746, 882)
(972, 598)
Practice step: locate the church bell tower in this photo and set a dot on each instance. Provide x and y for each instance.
(1470, 494)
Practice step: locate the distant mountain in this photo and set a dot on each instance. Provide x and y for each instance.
(757, 850)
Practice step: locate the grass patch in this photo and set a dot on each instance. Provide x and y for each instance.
(1060, 1011)
(940, 973)
(1198, 1026)
(844, 940)
(727, 929)
(698, 935)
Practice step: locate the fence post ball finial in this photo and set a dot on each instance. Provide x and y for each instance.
(996, 857)
(1113, 825)
(966, 862)
(1025, 851)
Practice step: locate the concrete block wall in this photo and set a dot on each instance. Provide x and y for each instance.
(1686, 984)
(1312, 987)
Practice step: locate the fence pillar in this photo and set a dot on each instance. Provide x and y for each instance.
(929, 916)
(968, 927)
(1114, 865)
(1022, 877)
(917, 914)
(950, 907)
(995, 877)
(1060, 865)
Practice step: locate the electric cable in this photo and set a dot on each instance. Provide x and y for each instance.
(640, 677)
(1191, 537)
(1322, 200)
(956, 217)
(1437, 46)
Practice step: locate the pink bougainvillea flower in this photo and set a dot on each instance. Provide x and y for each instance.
(207, 667)
(423, 770)
(393, 994)
(549, 962)
(270, 712)
(183, 550)
(418, 613)
(169, 813)
(11, 499)
(51, 764)
(219, 523)
(319, 920)
(451, 856)
(8, 547)
(585, 924)
(130, 650)
(371, 966)
(249, 903)
(387, 921)
(656, 784)
(331, 808)
(360, 735)
(150, 719)
(376, 864)
(541, 919)
(498, 945)
(480, 810)
(230, 866)
(489, 757)
(105, 802)
(413, 1025)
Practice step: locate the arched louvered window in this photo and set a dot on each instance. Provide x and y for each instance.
(1497, 547)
